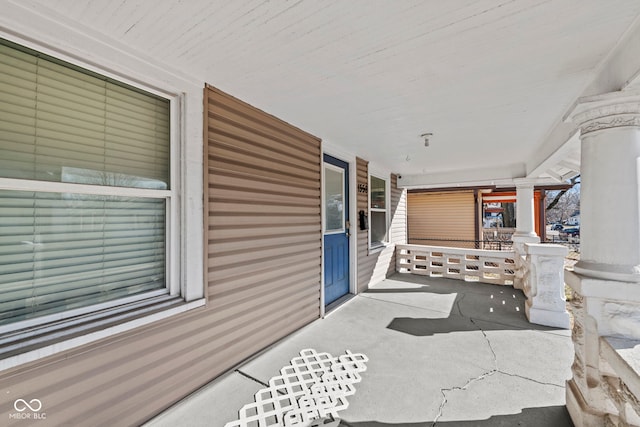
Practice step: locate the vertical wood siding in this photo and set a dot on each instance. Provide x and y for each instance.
(375, 265)
(263, 278)
(446, 215)
(365, 262)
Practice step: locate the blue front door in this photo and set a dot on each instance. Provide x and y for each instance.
(336, 229)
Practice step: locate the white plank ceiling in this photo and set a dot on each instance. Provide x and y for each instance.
(488, 78)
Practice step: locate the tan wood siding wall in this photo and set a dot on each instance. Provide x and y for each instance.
(263, 283)
(375, 265)
(446, 215)
(365, 262)
(264, 231)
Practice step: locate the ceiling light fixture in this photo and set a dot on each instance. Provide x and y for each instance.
(426, 137)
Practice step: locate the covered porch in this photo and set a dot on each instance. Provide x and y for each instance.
(370, 100)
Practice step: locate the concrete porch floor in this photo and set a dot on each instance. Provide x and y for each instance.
(441, 352)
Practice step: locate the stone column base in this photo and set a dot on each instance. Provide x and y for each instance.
(554, 319)
(544, 285)
(519, 241)
(605, 388)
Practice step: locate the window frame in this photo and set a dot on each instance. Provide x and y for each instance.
(192, 294)
(344, 202)
(378, 245)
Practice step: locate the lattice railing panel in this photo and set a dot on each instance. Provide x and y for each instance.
(309, 392)
(470, 265)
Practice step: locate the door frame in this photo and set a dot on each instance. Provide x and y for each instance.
(350, 159)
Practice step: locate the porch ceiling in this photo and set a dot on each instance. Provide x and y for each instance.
(491, 79)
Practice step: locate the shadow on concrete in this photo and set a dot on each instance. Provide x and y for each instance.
(477, 306)
(426, 289)
(552, 416)
(427, 327)
(424, 327)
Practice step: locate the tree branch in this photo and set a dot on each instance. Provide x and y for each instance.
(554, 202)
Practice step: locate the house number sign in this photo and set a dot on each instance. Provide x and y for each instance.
(363, 188)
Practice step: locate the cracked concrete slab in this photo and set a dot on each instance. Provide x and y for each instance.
(364, 323)
(423, 336)
(497, 394)
(405, 370)
(533, 360)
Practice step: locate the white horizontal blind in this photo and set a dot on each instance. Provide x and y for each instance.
(64, 251)
(53, 117)
(61, 251)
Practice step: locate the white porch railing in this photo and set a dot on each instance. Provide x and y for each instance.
(470, 265)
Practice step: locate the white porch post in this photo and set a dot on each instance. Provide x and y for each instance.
(525, 227)
(605, 388)
(525, 218)
(539, 267)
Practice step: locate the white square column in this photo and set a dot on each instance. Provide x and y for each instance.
(525, 217)
(525, 227)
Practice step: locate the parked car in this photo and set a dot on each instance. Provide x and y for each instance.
(572, 231)
(556, 227)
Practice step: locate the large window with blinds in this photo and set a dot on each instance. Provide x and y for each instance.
(85, 188)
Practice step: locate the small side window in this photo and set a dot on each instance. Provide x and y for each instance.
(378, 211)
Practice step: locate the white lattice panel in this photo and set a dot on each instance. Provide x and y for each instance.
(471, 265)
(308, 393)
